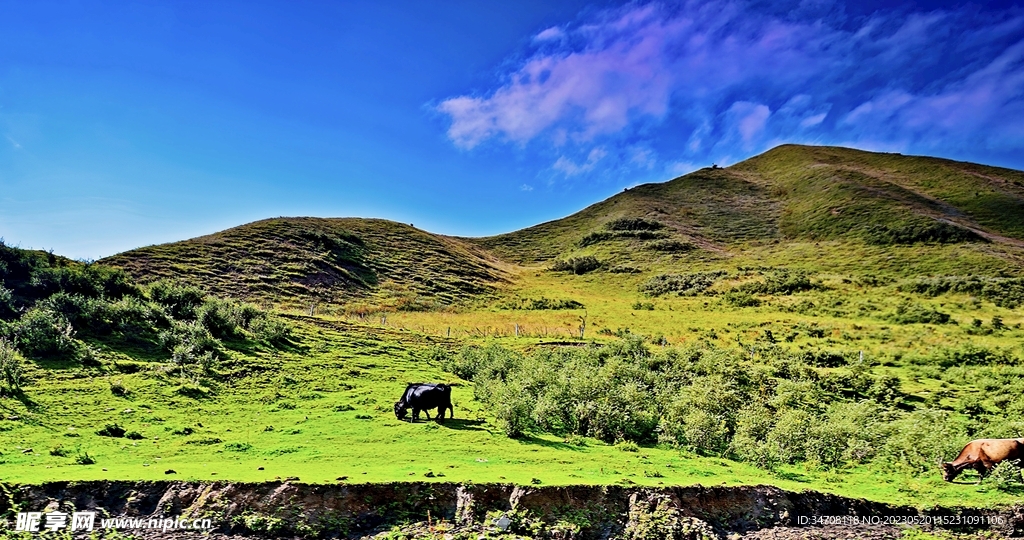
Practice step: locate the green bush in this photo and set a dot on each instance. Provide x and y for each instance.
(179, 300)
(916, 441)
(779, 282)
(912, 313)
(849, 433)
(740, 299)
(41, 333)
(577, 265)
(669, 245)
(1006, 475)
(1003, 292)
(683, 284)
(633, 224)
(12, 372)
(914, 233)
(7, 308)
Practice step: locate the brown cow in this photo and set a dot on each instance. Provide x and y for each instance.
(982, 455)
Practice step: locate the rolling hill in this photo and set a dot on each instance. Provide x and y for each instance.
(787, 196)
(801, 193)
(300, 258)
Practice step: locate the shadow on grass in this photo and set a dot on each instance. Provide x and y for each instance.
(529, 439)
(21, 396)
(462, 425)
(791, 476)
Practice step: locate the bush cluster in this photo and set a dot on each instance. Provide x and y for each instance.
(914, 233)
(577, 265)
(764, 405)
(779, 282)
(683, 284)
(670, 245)
(633, 224)
(48, 304)
(1003, 292)
(912, 313)
(639, 228)
(541, 303)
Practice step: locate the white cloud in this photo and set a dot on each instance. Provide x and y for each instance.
(725, 77)
(550, 34)
(570, 168)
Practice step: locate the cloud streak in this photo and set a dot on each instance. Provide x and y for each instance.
(706, 80)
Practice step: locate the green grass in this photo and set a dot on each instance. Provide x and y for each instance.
(320, 408)
(302, 260)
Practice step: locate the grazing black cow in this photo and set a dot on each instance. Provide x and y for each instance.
(424, 396)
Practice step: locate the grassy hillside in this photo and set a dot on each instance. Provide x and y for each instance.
(794, 193)
(308, 259)
(811, 318)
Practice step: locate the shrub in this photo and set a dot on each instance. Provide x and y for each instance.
(740, 299)
(824, 358)
(633, 224)
(541, 303)
(627, 446)
(886, 390)
(779, 282)
(1003, 292)
(577, 265)
(12, 372)
(7, 308)
(134, 318)
(594, 238)
(916, 441)
(1006, 475)
(111, 430)
(179, 300)
(912, 313)
(848, 433)
(703, 415)
(270, 329)
(514, 411)
(43, 333)
(669, 245)
(753, 424)
(936, 231)
(683, 284)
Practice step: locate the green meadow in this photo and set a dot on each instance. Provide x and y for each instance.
(810, 319)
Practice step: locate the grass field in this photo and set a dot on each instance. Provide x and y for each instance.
(321, 412)
(780, 250)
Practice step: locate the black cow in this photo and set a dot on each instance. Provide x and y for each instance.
(424, 396)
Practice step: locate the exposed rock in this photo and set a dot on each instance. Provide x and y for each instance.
(437, 510)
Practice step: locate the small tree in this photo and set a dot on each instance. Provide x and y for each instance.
(11, 369)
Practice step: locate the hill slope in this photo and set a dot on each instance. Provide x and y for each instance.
(299, 258)
(803, 193)
(789, 194)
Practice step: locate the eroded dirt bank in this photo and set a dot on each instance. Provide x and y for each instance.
(477, 510)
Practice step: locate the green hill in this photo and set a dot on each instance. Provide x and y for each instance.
(797, 193)
(301, 258)
(790, 194)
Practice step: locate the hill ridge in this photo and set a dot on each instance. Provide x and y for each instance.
(791, 193)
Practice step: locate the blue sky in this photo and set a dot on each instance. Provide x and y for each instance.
(132, 123)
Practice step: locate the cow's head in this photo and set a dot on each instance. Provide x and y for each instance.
(949, 471)
(400, 410)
